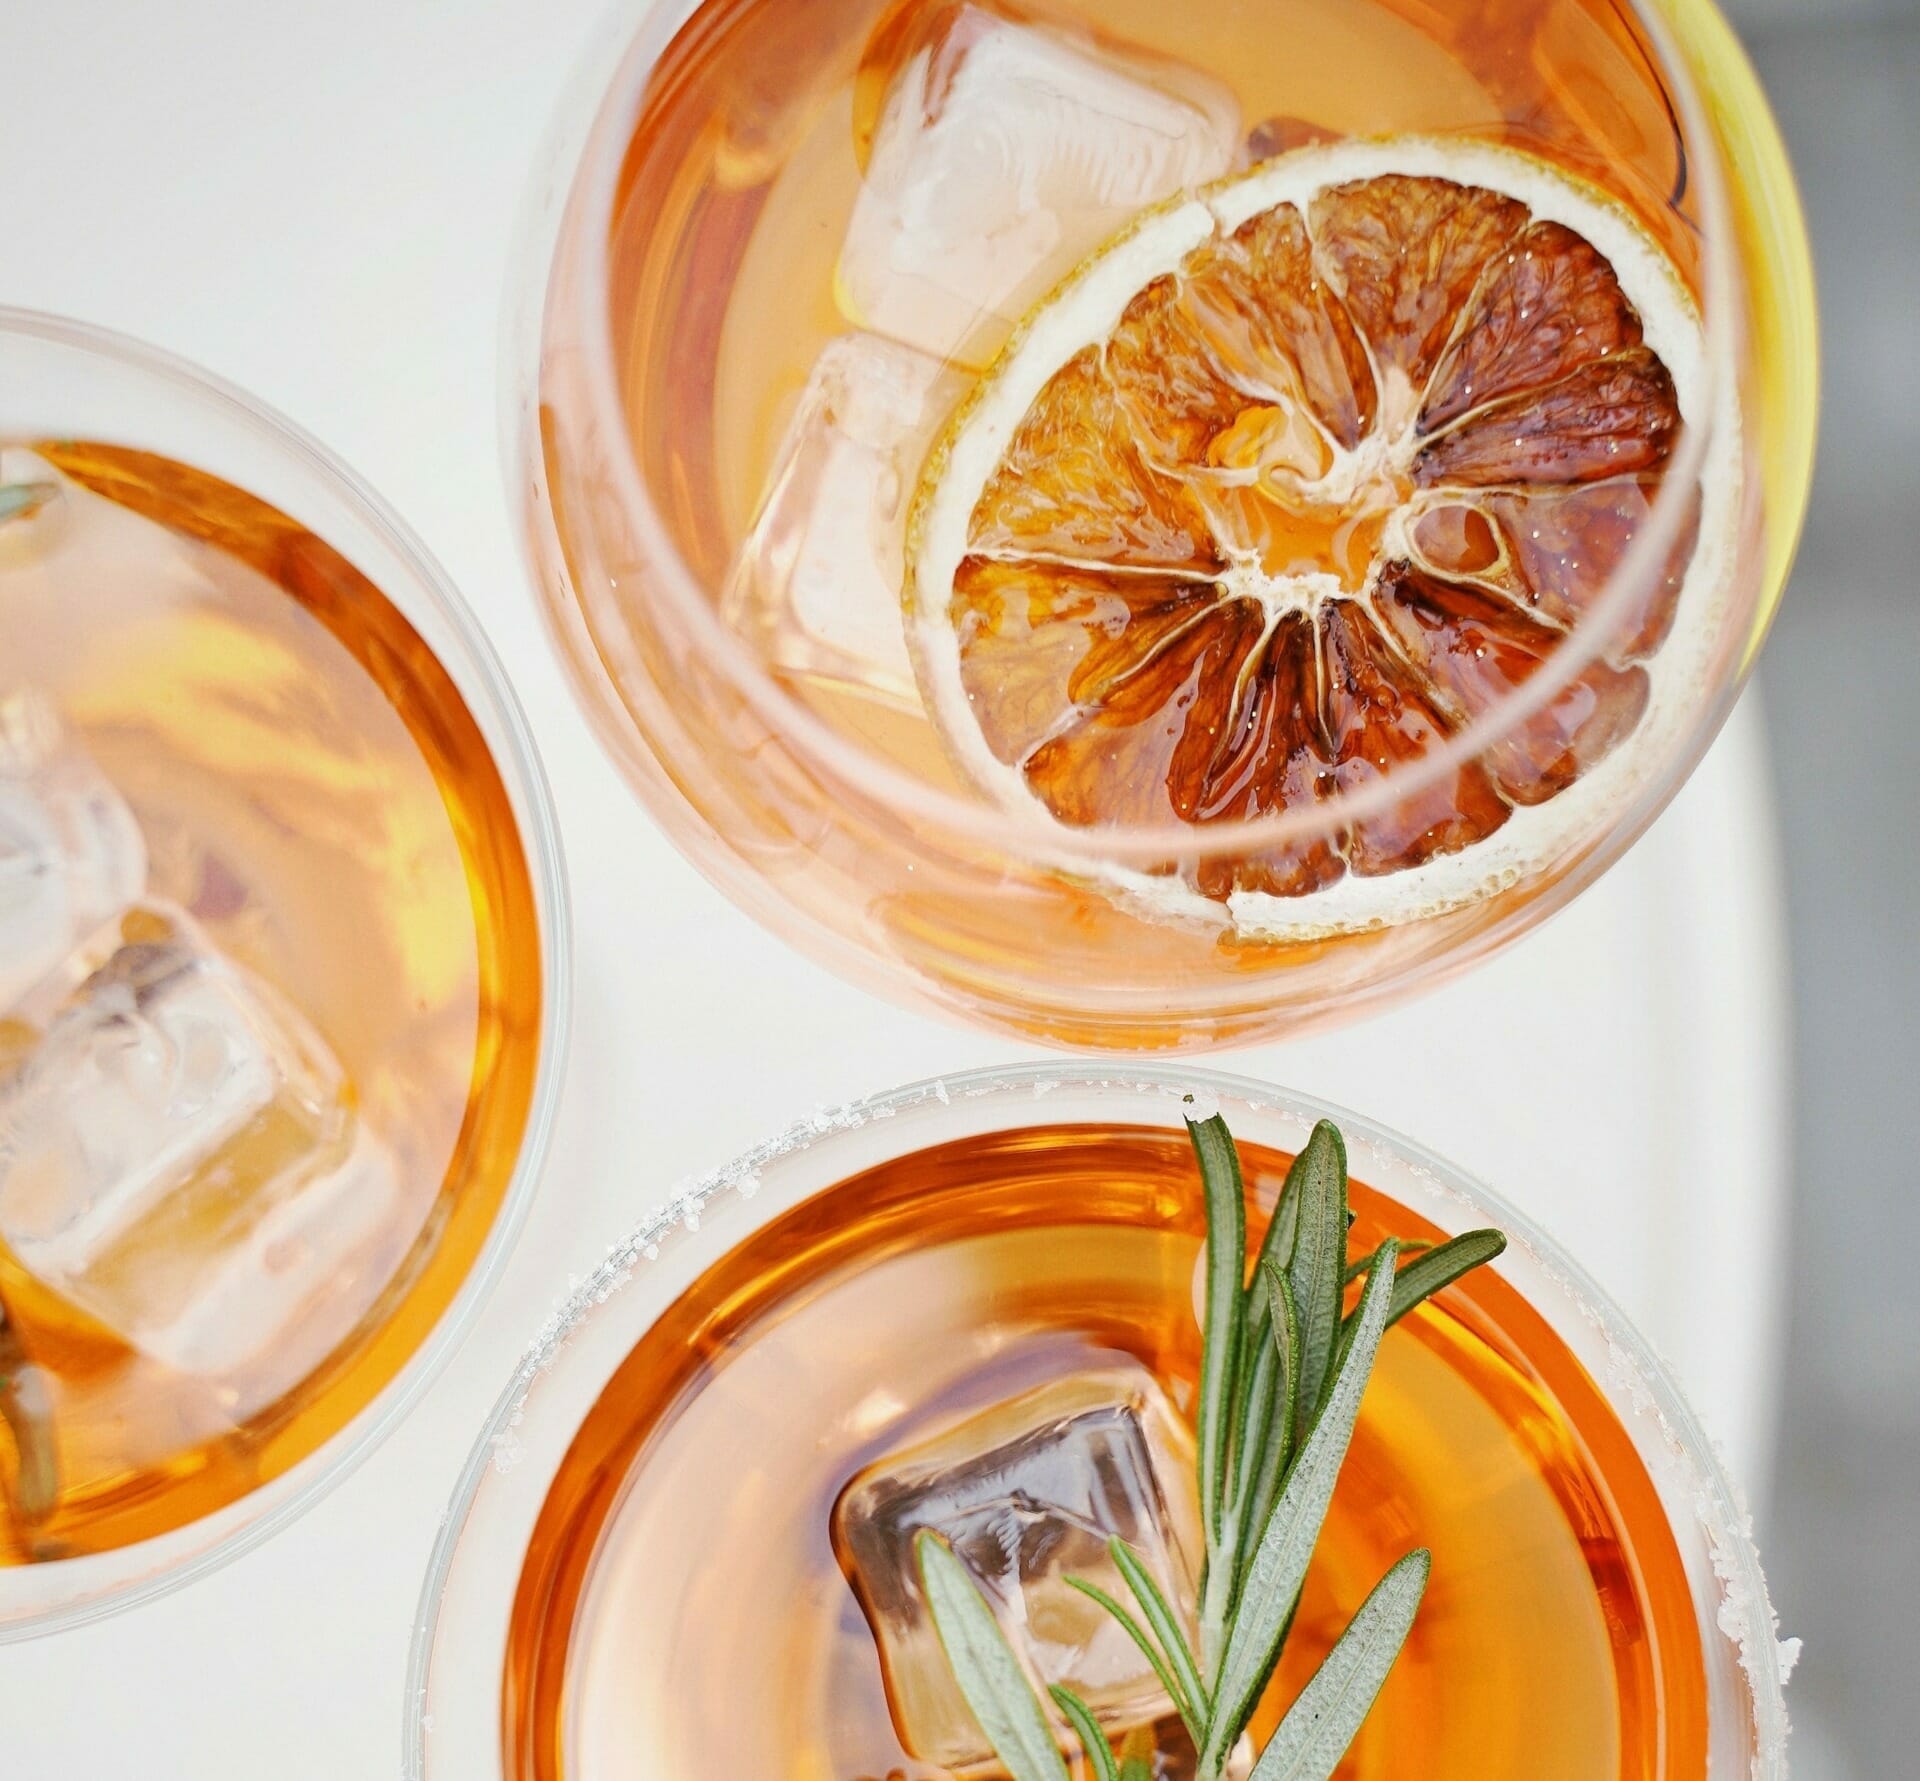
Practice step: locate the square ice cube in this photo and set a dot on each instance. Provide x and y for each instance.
(1028, 1493)
(1004, 154)
(179, 1157)
(817, 584)
(71, 853)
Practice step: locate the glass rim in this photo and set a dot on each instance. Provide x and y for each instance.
(484, 685)
(589, 183)
(1718, 1507)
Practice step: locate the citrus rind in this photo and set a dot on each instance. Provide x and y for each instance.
(1084, 310)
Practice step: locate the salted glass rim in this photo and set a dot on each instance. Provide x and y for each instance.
(484, 686)
(1718, 1508)
(587, 211)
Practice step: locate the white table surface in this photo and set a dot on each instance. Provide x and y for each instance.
(318, 203)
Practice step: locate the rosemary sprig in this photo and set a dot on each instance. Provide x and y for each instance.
(995, 1686)
(1282, 1371)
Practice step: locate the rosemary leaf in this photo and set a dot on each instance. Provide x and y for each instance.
(1262, 1461)
(1276, 1247)
(1286, 1426)
(1276, 1253)
(1368, 1262)
(1260, 1457)
(990, 1677)
(1284, 1320)
(1247, 1424)
(1426, 1274)
(1280, 1561)
(1319, 1257)
(1255, 1434)
(1253, 1415)
(1220, 1353)
(1252, 1428)
(1189, 1709)
(1092, 1740)
(1323, 1719)
(1161, 1618)
(1284, 1227)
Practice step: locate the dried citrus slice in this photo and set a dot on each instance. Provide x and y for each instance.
(1293, 481)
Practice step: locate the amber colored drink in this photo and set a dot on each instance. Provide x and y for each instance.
(681, 1612)
(319, 804)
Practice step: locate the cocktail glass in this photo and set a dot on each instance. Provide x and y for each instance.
(657, 358)
(218, 513)
(635, 1574)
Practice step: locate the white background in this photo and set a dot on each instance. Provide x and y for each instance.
(319, 203)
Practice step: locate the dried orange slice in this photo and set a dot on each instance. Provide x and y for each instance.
(1294, 480)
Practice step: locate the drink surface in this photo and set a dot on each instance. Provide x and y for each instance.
(259, 1108)
(685, 1606)
(733, 271)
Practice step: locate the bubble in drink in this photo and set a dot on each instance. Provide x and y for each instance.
(817, 584)
(1004, 154)
(180, 1159)
(71, 853)
(1028, 1493)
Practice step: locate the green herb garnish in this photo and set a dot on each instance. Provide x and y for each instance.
(1283, 1366)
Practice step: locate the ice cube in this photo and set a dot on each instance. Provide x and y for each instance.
(1005, 153)
(817, 585)
(180, 1158)
(71, 853)
(1028, 1493)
